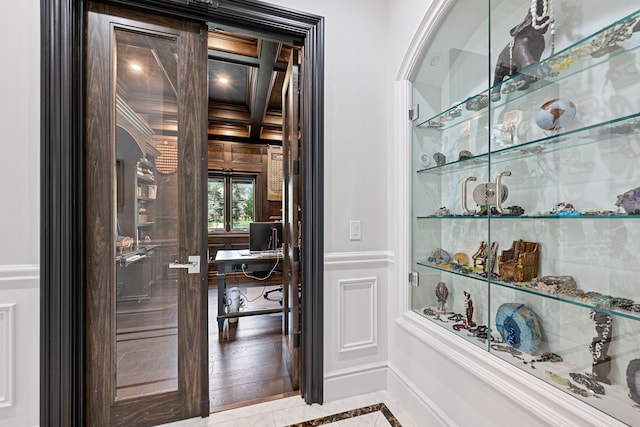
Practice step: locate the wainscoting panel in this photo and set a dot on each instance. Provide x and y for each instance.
(358, 313)
(19, 345)
(7, 354)
(355, 323)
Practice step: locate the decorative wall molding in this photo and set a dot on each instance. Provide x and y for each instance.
(7, 355)
(19, 272)
(427, 28)
(336, 260)
(358, 313)
(400, 198)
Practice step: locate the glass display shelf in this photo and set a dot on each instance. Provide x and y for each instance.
(598, 48)
(584, 217)
(604, 131)
(575, 300)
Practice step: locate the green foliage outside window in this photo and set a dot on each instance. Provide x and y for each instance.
(235, 193)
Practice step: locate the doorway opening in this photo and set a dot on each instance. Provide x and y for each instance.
(250, 357)
(65, 313)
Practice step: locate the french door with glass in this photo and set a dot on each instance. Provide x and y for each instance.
(146, 296)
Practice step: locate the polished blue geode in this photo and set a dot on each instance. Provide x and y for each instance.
(519, 327)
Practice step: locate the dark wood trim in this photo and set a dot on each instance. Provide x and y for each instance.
(312, 372)
(62, 215)
(204, 261)
(62, 316)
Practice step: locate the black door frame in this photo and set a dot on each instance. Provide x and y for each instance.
(63, 225)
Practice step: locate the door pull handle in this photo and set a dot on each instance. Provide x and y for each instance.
(192, 266)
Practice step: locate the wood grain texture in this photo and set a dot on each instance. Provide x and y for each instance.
(247, 364)
(99, 242)
(185, 402)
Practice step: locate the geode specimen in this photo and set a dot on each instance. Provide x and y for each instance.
(633, 380)
(519, 327)
(630, 201)
(566, 282)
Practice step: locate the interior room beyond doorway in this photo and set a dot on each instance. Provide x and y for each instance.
(248, 359)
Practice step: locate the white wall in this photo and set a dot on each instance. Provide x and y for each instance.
(369, 345)
(19, 215)
(357, 92)
(357, 100)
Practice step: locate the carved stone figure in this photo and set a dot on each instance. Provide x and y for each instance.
(601, 364)
(524, 50)
(442, 293)
(468, 308)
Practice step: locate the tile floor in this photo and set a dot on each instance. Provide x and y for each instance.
(292, 410)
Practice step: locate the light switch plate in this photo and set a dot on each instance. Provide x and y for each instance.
(355, 230)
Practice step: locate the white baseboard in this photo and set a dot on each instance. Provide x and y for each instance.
(414, 402)
(355, 381)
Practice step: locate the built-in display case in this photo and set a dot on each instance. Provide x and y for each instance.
(526, 190)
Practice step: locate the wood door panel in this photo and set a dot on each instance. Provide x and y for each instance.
(189, 396)
(291, 206)
(98, 209)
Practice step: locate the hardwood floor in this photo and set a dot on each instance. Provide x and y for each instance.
(247, 361)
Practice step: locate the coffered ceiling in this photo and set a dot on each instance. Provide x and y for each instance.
(245, 85)
(245, 75)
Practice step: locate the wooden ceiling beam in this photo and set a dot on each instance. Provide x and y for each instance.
(268, 58)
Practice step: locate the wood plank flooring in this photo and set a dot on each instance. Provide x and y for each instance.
(247, 361)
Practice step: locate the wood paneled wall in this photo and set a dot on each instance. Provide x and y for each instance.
(249, 159)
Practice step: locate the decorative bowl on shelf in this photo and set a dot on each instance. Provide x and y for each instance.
(556, 114)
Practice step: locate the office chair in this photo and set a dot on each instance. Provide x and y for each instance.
(278, 289)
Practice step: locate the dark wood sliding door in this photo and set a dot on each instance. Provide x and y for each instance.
(146, 266)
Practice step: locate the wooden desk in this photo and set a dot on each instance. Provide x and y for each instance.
(231, 261)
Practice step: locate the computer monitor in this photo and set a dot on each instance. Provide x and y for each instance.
(264, 236)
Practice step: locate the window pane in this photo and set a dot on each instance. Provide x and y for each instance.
(215, 204)
(241, 203)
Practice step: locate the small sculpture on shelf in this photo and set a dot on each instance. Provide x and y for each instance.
(520, 262)
(556, 114)
(630, 201)
(514, 210)
(443, 211)
(601, 364)
(442, 293)
(558, 282)
(468, 310)
(461, 258)
(481, 259)
(524, 49)
(440, 159)
(439, 256)
(465, 154)
(564, 209)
